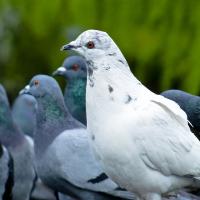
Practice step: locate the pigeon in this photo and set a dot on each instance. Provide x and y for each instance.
(190, 104)
(6, 176)
(24, 113)
(20, 150)
(64, 157)
(74, 71)
(142, 139)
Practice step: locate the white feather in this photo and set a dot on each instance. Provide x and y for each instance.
(142, 139)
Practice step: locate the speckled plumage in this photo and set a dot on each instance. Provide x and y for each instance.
(145, 145)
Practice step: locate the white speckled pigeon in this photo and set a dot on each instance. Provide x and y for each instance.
(142, 139)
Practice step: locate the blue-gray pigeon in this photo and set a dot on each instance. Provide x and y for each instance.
(64, 156)
(24, 115)
(20, 150)
(74, 71)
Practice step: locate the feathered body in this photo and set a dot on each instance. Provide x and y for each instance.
(142, 139)
(190, 104)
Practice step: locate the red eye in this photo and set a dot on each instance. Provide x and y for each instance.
(90, 45)
(36, 82)
(75, 67)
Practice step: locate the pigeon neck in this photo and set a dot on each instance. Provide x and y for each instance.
(115, 54)
(49, 110)
(75, 93)
(76, 86)
(25, 118)
(110, 87)
(52, 119)
(111, 69)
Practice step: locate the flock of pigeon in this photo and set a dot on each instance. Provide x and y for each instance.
(108, 137)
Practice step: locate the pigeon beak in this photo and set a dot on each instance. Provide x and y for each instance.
(25, 90)
(70, 46)
(60, 71)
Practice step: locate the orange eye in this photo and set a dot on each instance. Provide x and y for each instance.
(90, 45)
(36, 82)
(75, 67)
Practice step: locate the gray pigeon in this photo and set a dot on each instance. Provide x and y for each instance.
(74, 71)
(63, 153)
(20, 150)
(24, 113)
(190, 104)
(6, 177)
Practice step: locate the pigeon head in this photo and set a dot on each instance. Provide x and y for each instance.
(26, 100)
(48, 94)
(52, 116)
(41, 86)
(94, 44)
(72, 68)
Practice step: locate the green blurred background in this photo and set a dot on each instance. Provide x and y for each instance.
(159, 38)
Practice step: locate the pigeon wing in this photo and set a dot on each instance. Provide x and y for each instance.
(171, 148)
(81, 168)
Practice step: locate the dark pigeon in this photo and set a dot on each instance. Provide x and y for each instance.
(190, 104)
(20, 150)
(64, 157)
(74, 71)
(24, 113)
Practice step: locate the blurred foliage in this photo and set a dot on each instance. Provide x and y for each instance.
(159, 38)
